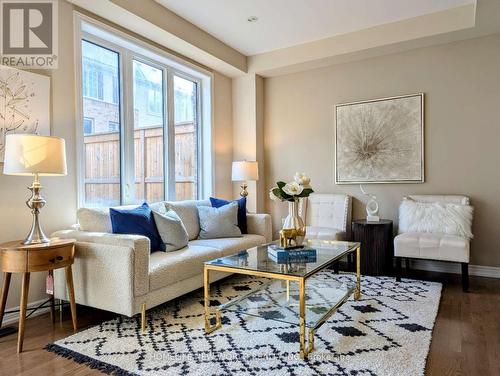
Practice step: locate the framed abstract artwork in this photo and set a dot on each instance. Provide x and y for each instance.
(24, 104)
(380, 140)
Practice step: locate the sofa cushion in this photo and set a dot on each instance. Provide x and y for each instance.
(324, 233)
(432, 246)
(94, 220)
(216, 223)
(242, 210)
(229, 246)
(166, 268)
(188, 213)
(98, 219)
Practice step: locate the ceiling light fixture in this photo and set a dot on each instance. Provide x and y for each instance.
(252, 19)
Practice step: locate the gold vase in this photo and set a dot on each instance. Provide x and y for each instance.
(294, 230)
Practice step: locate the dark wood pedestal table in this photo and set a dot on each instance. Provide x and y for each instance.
(377, 241)
(16, 257)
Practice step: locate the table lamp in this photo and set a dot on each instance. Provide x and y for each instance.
(33, 155)
(245, 171)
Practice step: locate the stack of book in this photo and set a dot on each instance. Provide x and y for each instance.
(286, 256)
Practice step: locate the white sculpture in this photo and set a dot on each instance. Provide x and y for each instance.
(371, 207)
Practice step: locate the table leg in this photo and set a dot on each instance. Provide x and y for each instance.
(61, 304)
(206, 287)
(357, 293)
(22, 310)
(302, 318)
(310, 346)
(52, 301)
(71, 293)
(5, 292)
(287, 290)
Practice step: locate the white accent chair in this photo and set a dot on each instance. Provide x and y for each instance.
(327, 216)
(434, 246)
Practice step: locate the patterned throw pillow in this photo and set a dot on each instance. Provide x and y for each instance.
(219, 222)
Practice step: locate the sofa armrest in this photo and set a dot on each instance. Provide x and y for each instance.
(260, 224)
(125, 240)
(133, 249)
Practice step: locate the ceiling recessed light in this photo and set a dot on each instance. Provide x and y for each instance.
(252, 19)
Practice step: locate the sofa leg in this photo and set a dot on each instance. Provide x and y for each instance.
(350, 262)
(398, 269)
(143, 317)
(465, 276)
(336, 267)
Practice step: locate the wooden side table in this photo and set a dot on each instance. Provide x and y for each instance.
(16, 257)
(376, 240)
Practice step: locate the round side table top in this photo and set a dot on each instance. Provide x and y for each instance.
(365, 222)
(54, 243)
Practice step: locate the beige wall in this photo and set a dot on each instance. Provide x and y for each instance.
(60, 192)
(248, 124)
(223, 135)
(461, 81)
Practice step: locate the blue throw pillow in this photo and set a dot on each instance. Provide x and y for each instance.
(137, 221)
(242, 210)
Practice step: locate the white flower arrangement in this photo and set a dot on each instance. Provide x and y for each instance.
(292, 191)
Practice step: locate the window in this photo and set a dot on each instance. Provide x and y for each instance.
(145, 140)
(100, 77)
(148, 134)
(101, 151)
(113, 126)
(186, 131)
(155, 101)
(88, 126)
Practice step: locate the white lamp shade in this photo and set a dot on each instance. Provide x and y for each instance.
(245, 171)
(29, 154)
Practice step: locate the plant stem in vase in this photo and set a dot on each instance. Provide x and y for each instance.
(294, 222)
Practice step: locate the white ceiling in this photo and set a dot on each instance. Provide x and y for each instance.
(285, 23)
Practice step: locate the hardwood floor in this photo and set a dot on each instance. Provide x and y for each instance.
(466, 337)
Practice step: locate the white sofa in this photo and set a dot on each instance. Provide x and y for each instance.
(433, 245)
(327, 216)
(117, 273)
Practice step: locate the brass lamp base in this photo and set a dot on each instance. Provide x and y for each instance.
(35, 203)
(244, 192)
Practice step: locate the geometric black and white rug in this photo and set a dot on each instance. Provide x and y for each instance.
(387, 332)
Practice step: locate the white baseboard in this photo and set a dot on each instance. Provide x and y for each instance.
(12, 318)
(451, 267)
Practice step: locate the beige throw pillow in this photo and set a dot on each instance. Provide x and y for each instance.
(171, 230)
(219, 222)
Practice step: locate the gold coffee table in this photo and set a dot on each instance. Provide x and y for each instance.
(310, 306)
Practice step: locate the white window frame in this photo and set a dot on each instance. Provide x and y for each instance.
(130, 49)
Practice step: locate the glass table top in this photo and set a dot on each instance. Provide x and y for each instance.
(259, 259)
(272, 302)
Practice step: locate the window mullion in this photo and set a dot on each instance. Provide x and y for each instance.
(127, 144)
(170, 139)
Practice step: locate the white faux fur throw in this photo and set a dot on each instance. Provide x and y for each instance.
(437, 217)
